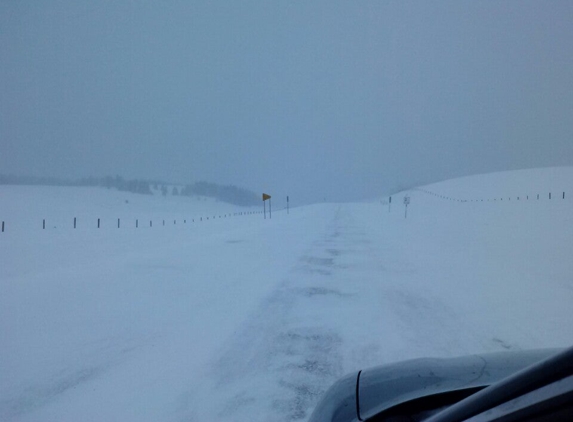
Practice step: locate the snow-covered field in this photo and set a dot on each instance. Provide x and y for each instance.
(242, 318)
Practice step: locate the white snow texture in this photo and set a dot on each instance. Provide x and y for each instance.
(241, 318)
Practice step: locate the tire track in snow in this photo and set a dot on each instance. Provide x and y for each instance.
(289, 352)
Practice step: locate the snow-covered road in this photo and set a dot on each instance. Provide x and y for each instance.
(252, 319)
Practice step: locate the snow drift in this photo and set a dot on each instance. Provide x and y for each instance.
(242, 318)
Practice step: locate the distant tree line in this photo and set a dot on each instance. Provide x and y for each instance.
(225, 193)
(117, 182)
(135, 186)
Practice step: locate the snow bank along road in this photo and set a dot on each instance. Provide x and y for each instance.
(252, 319)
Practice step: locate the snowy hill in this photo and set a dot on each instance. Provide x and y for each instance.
(251, 319)
(525, 184)
(25, 207)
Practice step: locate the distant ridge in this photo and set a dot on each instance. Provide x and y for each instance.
(225, 193)
(525, 183)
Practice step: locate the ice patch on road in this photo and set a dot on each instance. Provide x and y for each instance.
(288, 353)
(36, 396)
(278, 362)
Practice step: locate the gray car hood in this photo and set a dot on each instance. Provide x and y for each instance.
(361, 395)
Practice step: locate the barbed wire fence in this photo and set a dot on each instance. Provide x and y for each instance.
(97, 223)
(526, 197)
(405, 196)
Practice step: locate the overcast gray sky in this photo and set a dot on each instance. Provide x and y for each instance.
(323, 99)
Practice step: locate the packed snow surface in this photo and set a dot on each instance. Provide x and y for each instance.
(240, 318)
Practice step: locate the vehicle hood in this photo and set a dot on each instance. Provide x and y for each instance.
(361, 395)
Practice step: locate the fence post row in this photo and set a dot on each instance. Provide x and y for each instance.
(242, 213)
(478, 200)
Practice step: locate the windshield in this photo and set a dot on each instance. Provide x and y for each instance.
(214, 210)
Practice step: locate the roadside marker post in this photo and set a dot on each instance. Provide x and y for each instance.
(406, 203)
(265, 197)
